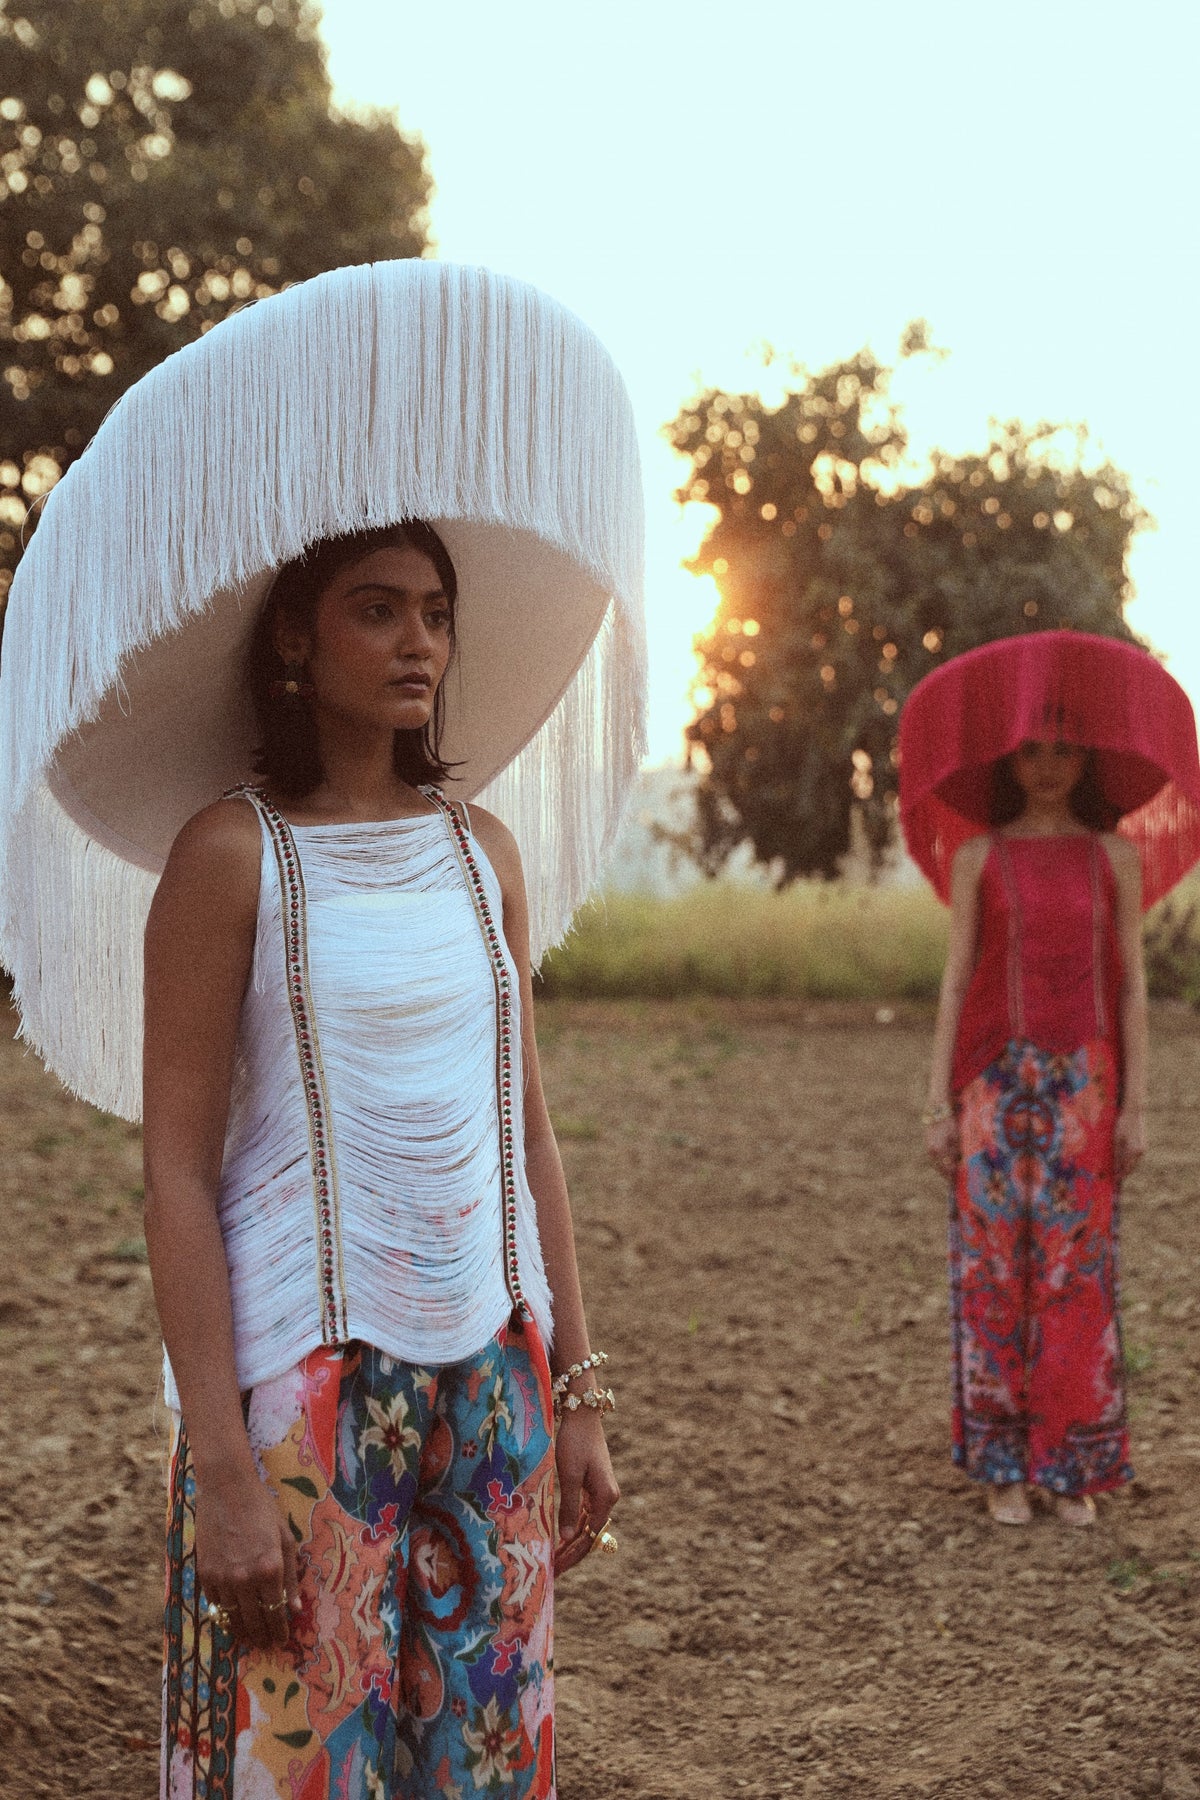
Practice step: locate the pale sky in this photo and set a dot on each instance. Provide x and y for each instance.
(697, 180)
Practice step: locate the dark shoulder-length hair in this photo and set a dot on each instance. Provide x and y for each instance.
(1086, 799)
(288, 754)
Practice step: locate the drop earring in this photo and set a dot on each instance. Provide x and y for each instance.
(293, 685)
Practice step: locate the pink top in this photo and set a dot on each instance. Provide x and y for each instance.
(1048, 970)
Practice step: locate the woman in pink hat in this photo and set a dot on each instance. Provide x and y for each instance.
(1050, 789)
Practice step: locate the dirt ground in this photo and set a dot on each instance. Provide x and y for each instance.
(807, 1599)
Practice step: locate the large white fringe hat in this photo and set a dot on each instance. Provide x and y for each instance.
(366, 396)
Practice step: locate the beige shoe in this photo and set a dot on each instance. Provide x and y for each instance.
(1075, 1509)
(1008, 1503)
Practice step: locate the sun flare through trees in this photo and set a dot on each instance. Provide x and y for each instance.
(845, 575)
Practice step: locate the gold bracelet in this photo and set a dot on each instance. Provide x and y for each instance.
(594, 1359)
(601, 1400)
(934, 1115)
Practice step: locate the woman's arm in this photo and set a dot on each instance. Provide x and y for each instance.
(199, 948)
(587, 1487)
(941, 1133)
(1129, 1145)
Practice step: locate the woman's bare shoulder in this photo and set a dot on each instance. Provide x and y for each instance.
(200, 933)
(226, 831)
(1126, 864)
(498, 841)
(1121, 852)
(970, 857)
(215, 860)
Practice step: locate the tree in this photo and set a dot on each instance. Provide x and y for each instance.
(161, 163)
(843, 580)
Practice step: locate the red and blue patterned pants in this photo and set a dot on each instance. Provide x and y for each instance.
(420, 1667)
(1038, 1372)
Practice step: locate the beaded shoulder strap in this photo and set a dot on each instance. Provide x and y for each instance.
(1015, 969)
(505, 1058)
(1098, 927)
(326, 1209)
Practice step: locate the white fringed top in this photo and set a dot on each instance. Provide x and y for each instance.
(405, 1005)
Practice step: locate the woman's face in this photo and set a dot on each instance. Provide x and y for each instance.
(380, 641)
(1046, 772)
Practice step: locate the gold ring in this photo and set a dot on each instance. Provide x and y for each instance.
(219, 1616)
(277, 1606)
(608, 1543)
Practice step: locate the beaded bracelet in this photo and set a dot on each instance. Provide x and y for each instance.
(594, 1359)
(601, 1400)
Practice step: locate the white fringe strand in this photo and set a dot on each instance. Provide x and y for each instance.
(366, 396)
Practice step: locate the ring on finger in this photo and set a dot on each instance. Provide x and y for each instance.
(604, 1537)
(276, 1605)
(219, 1616)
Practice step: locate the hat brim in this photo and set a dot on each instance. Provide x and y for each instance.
(1077, 687)
(366, 396)
(176, 732)
(1126, 780)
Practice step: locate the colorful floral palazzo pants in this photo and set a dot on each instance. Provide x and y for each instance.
(1037, 1357)
(420, 1667)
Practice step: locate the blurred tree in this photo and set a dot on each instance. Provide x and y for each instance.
(161, 163)
(842, 583)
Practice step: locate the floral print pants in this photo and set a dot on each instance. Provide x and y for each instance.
(1038, 1371)
(420, 1667)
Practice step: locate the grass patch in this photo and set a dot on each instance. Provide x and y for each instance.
(811, 942)
(129, 1250)
(1172, 938)
(1139, 1358)
(1126, 1572)
(579, 1131)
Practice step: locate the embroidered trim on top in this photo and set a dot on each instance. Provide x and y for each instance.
(1098, 998)
(505, 1060)
(1016, 990)
(330, 1262)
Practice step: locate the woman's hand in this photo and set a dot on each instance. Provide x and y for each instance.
(587, 1487)
(943, 1146)
(246, 1558)
(1129, 1141)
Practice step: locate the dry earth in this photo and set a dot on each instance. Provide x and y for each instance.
(807, 1600)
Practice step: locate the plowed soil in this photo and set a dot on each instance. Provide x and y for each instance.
(807, 1600)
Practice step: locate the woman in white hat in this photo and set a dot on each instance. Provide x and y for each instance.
(357, 1222)
(372, 1529)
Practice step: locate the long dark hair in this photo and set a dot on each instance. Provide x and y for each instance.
(288, 753)
(1086, 799)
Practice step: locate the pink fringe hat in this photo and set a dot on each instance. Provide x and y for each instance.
(1070, 686)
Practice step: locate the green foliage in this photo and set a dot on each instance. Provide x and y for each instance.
(811, 942)
(130, 1250)
(1172, 940)
(842, 583)
(161, 163)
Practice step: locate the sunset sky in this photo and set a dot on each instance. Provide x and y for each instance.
(696, 181)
